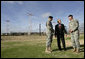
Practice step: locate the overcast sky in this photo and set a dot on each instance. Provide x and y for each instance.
(16, 12)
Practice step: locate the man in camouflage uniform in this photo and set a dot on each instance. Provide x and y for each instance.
(74, 31)
(49, 33)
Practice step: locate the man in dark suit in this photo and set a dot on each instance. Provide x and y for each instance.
(59, 33)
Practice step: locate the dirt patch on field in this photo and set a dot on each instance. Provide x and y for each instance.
(31, 40)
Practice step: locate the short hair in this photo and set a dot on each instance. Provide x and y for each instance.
(70, 16)
(57, 21)
(50, 17)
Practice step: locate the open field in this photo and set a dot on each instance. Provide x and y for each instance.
(34, 47)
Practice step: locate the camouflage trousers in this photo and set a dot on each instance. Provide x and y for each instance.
(75, 39)
(49, 40)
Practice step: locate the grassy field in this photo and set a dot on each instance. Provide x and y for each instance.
(34, 47)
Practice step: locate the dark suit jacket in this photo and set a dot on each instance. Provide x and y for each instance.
(60, 31)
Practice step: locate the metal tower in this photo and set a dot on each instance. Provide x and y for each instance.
(30, 23)
(7, 27)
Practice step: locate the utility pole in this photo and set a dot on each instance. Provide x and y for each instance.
(40, 29)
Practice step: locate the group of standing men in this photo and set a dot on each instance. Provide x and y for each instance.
(59, 34)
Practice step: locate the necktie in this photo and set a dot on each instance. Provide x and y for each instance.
(59, 26)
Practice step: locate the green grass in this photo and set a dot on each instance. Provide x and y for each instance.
(80, 37)
(35, 49)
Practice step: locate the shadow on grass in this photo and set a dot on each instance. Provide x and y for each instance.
(69, 48)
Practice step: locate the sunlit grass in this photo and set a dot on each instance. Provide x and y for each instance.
(36, 49)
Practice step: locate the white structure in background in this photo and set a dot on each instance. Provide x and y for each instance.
(7, 27)
(29, 23)
(54, 23)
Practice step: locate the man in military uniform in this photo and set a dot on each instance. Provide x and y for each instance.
(49, 33)
(74, 31)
